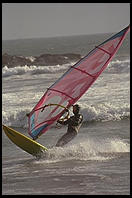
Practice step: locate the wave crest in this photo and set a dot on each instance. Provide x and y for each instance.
(106, 112)
(115, 66)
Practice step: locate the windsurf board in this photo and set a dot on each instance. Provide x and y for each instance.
(30, 146)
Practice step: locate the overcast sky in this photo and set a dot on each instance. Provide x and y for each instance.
(34, 20)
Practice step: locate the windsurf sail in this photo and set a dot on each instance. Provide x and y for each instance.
(72, 85)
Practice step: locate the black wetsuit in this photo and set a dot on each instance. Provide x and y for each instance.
(74, 124)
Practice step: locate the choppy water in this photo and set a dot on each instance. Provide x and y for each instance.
(97, 161)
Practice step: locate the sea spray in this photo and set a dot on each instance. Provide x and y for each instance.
(90, 149)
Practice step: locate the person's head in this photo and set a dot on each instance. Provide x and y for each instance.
(76, 109)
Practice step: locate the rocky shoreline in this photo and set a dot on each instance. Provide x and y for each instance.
(42, 60)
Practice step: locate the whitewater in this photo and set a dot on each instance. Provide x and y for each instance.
(32, 81)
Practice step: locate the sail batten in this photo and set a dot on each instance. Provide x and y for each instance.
(82, 71)
(60, 92)
(73, 84)
(103, 50)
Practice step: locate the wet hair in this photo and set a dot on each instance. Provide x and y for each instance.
(77, 108)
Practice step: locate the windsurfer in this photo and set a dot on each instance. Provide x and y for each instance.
(74, 124)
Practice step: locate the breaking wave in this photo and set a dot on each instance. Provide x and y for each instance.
(113, 67)
(99, 113)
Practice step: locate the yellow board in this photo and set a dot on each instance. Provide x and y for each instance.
(30, 146)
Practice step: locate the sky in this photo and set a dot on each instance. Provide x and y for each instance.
(39, 20)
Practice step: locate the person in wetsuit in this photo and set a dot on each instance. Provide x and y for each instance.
(74, 124)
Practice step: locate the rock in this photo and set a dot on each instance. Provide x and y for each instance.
(14, 61)
(55, 59)
(42, 60)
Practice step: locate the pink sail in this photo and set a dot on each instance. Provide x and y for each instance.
(67, 90)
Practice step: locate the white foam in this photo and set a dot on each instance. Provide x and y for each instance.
(114, 66)
(119, 66)
(104, 112)
(91, 149)
(118, 145)
(20, 70)
(17, 117)
(107, 99)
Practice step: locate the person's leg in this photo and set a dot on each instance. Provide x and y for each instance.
(65, 139)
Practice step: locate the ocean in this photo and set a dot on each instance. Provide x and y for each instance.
(97, 161)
